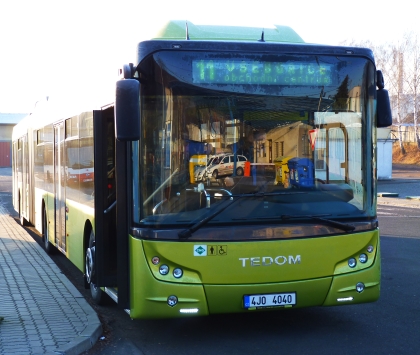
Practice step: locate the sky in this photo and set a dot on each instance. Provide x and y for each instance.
(73, 49)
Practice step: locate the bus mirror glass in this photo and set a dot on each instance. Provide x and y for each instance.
(127, 110)
(384, 114)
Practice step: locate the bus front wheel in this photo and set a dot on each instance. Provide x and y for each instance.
(95, 291)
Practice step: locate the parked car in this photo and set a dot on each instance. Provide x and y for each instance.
(224, 165)
(201, 171)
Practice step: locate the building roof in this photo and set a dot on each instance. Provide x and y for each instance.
(11, 118)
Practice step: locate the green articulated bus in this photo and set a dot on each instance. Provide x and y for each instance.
(235, 171)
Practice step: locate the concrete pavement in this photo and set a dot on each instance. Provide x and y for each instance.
(43, 312)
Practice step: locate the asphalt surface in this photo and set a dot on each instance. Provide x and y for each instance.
(43, 311)
(403, 189)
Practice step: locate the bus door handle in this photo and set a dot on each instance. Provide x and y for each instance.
(110, 207)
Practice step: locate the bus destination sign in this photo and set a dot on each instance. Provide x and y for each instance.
(237, 72)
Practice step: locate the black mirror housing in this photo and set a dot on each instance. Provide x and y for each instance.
(127, 110)
(383, 109)
(383, 105)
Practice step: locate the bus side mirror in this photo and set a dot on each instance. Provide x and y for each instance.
(127, 110)
(383, 105)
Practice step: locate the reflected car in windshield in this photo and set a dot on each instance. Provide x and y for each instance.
(225, 165)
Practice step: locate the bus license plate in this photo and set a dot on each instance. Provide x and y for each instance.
(270, 300)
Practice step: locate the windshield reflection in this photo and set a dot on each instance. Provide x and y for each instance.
(296, 150)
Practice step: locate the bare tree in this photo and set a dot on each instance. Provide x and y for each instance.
(400, 64)
(389, 58)
(394, 70)
(412, 79)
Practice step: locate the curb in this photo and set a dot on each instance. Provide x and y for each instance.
(387, 194)
(84, 341)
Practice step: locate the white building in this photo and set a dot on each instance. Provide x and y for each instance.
(384, 150)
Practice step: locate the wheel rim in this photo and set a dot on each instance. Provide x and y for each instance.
(90, 264)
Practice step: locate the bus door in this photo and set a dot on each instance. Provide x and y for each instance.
(106, 248)
(59, 188)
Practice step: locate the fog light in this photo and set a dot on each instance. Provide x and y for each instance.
(370, 249)
(188, 310)
(178, 273)
(360, 287)
(155, 260)
(164, 269)
(363, 258)
(345, 299)
(352, 262)
(172, 300)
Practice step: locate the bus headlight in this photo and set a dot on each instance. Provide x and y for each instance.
(178, 273)
(164, 269)
(352, 262)
(363, 258)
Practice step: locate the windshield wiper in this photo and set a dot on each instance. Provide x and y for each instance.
(344, 226)
(186, 233)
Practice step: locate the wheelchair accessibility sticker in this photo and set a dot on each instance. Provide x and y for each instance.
(210, 250)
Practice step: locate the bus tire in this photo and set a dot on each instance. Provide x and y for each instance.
(49, 248)
(95, 291)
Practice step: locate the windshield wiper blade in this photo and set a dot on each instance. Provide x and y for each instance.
(344, 226)
(186, 233)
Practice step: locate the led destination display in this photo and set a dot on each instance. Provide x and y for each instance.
(221, 71)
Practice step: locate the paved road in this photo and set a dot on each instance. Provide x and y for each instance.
(43, 311)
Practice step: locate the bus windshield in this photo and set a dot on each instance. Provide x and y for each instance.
(283, 136)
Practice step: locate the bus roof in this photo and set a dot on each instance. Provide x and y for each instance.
(177, 30)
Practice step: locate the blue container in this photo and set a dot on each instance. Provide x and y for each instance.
(302, 173)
